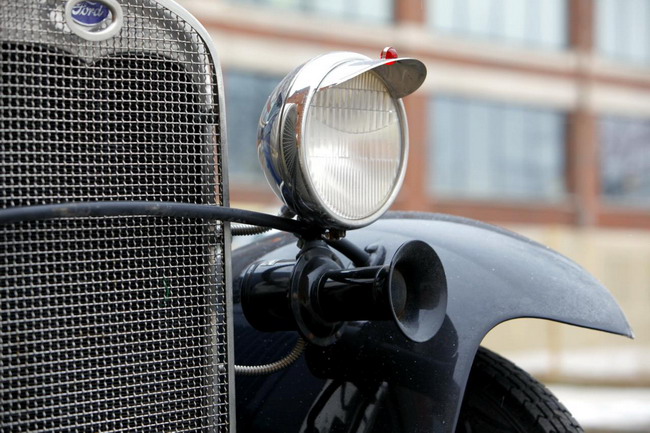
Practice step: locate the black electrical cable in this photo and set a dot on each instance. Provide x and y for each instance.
(249, 230)
(152, 208)
(177, 210)
(358, 256)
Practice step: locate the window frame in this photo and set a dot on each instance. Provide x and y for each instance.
(500, 116)
(502, 29)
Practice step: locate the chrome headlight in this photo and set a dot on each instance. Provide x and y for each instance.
(333, 138)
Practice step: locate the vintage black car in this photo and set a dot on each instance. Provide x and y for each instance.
(123, 308)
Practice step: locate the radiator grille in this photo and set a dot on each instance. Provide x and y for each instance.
(110, 324)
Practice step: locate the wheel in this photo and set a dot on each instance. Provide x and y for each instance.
(502, 398)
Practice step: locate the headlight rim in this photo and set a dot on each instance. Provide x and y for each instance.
(296, 92)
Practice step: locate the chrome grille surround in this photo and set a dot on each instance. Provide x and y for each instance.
(115, 323)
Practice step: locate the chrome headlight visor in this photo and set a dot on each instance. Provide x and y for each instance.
(333, 137)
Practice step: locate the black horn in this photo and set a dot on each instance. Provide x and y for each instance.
(317, 296)
(411, 290)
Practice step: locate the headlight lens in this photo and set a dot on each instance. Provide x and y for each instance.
(354, 147)
(333, 139)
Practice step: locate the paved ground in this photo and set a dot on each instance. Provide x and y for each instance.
(606, 389)
(598, 409)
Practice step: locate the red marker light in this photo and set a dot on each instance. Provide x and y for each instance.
(389, 53)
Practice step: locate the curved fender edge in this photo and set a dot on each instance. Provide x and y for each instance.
(493, 275)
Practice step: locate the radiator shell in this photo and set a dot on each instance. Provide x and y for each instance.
(113, 323)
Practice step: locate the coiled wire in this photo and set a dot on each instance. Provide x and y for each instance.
(256, 370)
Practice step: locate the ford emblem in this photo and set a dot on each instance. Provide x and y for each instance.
(89, 13)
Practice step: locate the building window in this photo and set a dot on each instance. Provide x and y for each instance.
(373, 11)
(541, 23)
(625, 160)
(246, 94)
(623, 30)
(485, 150)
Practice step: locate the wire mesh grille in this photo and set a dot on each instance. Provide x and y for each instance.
(109, 324)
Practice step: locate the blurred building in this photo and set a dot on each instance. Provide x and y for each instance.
(535, 115)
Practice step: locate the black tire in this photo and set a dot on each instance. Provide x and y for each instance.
(502, 398)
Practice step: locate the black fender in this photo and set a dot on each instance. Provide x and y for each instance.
(493, 275)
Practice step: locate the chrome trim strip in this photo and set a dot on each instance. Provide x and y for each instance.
(205, 36)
